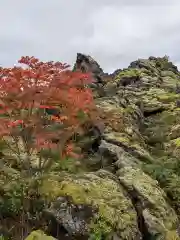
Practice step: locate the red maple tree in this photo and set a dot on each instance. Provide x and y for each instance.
(27, 92)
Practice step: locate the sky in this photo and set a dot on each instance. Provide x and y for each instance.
(113, 32)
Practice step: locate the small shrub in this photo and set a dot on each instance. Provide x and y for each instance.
(26, 95)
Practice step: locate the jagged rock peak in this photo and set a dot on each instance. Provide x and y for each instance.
(86, 63)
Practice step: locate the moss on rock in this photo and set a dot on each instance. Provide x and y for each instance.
(39, 235)
(159, 217)
(115, 211)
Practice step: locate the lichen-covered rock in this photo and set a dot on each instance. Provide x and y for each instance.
(159, 218)
(156, 217)
(93, 204)
(142, 122)
(39, 235)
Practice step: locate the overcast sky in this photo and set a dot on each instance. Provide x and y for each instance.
(114, 32)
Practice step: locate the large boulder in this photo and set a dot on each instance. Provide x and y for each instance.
(91, 205)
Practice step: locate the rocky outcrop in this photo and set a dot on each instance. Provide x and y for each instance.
(130, 188)
(127, 200)
(86, 63)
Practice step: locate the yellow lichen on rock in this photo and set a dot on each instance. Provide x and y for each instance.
(39, 235)
(115, 210)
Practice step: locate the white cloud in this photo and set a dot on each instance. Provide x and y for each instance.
(132, 32)
(114, 32)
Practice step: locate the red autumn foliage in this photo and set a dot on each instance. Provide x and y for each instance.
(26, 91)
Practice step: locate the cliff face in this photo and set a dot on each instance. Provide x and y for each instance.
(131, 186)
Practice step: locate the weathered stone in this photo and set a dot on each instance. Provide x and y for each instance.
(159, 217)
(93, 203)
(39, 235)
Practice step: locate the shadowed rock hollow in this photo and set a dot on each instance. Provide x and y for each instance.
(130, 189)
